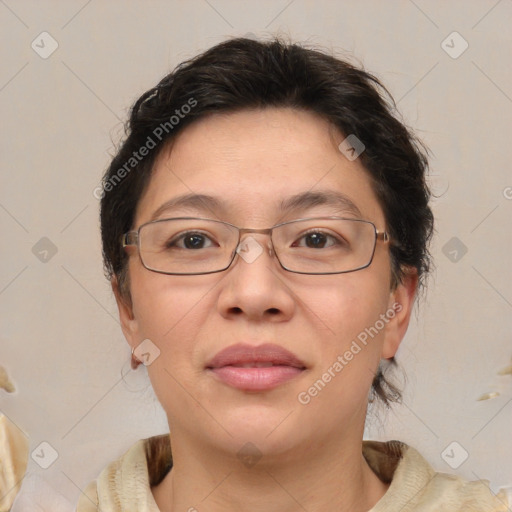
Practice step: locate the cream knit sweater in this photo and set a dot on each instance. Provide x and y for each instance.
(123, 486)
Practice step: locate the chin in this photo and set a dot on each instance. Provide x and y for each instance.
(265, 426)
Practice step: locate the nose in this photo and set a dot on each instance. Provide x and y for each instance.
(255, 285)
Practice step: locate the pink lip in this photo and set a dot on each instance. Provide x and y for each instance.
(253, 368)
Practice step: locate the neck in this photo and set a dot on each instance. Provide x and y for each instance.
(325, 477)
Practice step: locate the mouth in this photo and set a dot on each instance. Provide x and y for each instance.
(255, 368)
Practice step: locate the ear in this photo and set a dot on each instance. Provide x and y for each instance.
(129, 324)
(401, 301)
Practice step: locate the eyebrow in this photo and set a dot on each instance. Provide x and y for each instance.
(306, 200)
(303, 201)
(195, 202)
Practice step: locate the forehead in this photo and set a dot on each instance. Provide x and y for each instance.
(257, 165)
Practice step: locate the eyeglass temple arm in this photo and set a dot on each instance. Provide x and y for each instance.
(383, 235)
(130, 238)
(386, 238)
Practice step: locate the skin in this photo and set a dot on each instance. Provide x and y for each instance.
(310, 454)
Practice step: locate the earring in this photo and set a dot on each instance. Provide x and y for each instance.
(135, 362)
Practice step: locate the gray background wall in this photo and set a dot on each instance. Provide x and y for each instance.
(60, 338)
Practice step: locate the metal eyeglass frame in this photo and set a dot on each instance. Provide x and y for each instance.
(131, 238)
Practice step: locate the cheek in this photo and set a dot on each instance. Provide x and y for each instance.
(351, 307)
(169, 313)
(163, 304)
(352, 303)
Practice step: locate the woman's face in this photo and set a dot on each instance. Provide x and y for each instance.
(251, 162)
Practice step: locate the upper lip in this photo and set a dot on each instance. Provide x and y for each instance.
(243, 354)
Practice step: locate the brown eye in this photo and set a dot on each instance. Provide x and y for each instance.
(190, 240)
(317, 240)
(194, 241)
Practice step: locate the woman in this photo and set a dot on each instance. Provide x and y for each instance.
(265, 228)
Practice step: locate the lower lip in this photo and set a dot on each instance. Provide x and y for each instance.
(256, 379)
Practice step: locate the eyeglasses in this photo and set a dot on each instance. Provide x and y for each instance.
(191, 246)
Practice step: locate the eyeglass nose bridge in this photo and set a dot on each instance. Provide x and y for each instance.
(267, 231)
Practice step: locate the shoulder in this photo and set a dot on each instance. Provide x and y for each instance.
(415, 485)
(127, 481)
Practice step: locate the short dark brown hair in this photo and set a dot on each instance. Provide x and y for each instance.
(241, 74)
